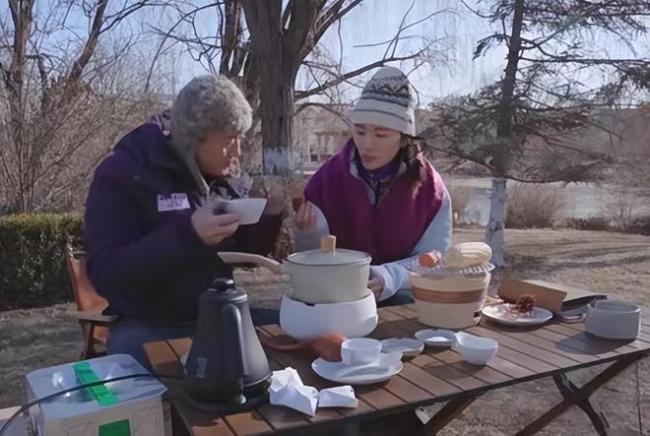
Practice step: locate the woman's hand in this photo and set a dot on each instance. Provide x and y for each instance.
(305, 218)
(376, 285)
(212, 228)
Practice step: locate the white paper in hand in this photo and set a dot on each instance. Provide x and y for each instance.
(340, 396)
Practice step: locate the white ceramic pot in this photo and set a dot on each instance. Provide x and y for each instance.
(451, 302)
(326, 275)
(352, 319)
(613, 319)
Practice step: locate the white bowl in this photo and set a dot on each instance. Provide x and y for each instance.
(407, 346)
(249, 209)
(357, 351)
(352, 319)
(612, 319)
(474, 349)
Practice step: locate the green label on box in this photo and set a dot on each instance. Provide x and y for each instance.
(117, 428)
(102, 394)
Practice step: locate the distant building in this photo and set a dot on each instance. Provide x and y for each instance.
(321, 130)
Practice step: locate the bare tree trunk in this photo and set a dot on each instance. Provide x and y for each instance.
(277, 125)
(21, 14)
(278, 53)
(494, 233)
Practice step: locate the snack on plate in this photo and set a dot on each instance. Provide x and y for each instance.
(468, 254)
(524, 304)
(429, 259)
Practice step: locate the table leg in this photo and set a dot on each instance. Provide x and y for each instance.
(580, 396)
(571, 392)
(448, 413)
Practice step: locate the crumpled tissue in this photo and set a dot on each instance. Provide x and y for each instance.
(288, 390)
(340, 396)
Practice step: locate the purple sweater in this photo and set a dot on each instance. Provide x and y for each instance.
(389, 230)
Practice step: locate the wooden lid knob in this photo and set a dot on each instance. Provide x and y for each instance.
(328, 243)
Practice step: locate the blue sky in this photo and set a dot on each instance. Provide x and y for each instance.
(455, 29)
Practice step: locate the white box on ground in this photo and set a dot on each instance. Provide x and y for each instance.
(138, 410)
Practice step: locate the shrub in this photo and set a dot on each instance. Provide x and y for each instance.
(640, 225)
(533, 206)
(622, 207)
(32, 264)
(594, 223)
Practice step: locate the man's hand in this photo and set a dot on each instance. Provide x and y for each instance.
(212, 228)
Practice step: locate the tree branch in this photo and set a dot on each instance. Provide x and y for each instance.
(323, 22)
(89, 47)
(299, 95)
(168, 35)
(303, 14)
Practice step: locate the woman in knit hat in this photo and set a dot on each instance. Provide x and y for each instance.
(379, 194)
(153, 225)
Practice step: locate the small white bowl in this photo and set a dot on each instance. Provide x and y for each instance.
(474, 349)
(359, 351)
(249, 209)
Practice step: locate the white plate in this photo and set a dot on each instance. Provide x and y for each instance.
(436, 337)
(331, 370)
(499, 313)
(407, 346)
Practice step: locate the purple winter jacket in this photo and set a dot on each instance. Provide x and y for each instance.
(149, 263)
(389, 230)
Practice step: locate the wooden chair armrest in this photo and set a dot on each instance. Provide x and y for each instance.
(94, 317)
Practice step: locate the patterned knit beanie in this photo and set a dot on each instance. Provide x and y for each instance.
(387, 101)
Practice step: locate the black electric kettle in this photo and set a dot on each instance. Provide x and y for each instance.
(226, 363)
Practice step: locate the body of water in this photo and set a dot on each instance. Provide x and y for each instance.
(581, 200)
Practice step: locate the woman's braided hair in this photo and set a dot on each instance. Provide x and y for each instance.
(410, 153)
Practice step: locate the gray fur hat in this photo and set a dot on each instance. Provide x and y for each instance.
(207, 104)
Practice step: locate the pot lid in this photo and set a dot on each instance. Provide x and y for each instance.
(324, 258)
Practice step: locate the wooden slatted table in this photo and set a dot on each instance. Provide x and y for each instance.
(552, 350)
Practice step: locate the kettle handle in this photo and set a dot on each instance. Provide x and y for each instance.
(231, 257)
(231, 322)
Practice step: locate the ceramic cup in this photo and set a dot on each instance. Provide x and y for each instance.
(249, 209)
(474, 349)
(359, 351)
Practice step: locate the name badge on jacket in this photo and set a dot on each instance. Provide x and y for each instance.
(176, 201)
